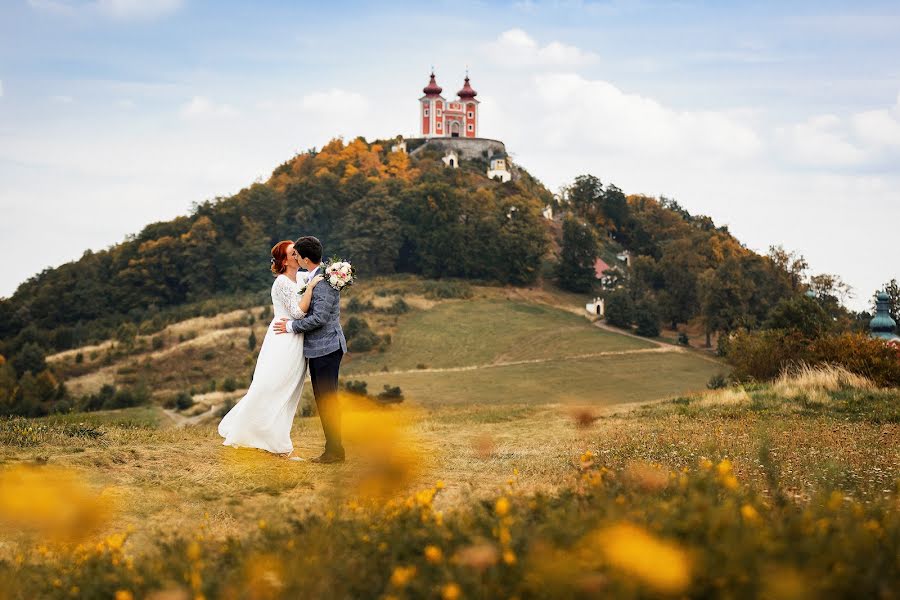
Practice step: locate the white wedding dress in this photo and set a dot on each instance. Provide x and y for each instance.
(263, 417)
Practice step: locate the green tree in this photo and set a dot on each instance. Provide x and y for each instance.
(725, 298)
(371, 233)
(800, 313)
(619, 309)
(575, 270)
(251, 341)
(30, 358)
(647, 319)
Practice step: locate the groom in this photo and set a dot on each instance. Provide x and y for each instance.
(323, 344)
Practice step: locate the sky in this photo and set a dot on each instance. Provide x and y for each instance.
(780, 120)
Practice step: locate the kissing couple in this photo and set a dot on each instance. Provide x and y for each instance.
(304, 334)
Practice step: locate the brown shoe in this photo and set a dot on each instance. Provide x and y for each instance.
(328, 458)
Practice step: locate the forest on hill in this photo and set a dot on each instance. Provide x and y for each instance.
(389, 213)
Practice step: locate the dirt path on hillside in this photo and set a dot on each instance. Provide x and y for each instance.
(180, 420)
(532, 361)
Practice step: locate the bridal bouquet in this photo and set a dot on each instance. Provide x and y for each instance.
(339, 274)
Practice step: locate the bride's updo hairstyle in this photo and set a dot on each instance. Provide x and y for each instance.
(279, 256)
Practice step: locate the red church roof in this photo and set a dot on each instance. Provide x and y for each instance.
(467, 91)
(432, 89)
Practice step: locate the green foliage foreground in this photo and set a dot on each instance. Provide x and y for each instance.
(642, 531)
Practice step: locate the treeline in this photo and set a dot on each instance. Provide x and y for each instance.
(383, 211)
(684, 269)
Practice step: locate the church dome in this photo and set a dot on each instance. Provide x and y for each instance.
(466, 91)
(432, 89)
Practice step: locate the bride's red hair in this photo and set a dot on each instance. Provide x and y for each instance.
(279, 256)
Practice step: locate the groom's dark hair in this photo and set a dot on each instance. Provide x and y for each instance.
(309, 247)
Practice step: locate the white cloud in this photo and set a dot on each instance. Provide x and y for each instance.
(866, 138)
(121, 10)
(201, 107)
(515, 47)
(597, 114)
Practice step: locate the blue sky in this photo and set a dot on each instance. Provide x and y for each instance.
(781, 120)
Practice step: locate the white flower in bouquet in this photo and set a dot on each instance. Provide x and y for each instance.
(340, 274)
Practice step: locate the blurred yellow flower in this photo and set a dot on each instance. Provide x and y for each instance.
(124, 595)
(433, 554)
(724, 467)
(451, 591)
(705, 464)
(509, 557)
(749, 513)
(501, 507)
(51, 501)
(402, 575)
(661, 565)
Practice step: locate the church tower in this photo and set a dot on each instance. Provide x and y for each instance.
(432, 108)
(440, 118)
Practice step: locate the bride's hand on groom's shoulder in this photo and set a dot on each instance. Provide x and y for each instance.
(316, 280)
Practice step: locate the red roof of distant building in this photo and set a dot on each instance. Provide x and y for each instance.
(466, 91)
(432, 89)
(599, 267)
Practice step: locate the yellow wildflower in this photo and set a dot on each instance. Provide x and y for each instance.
(451, 591)
(749, 513)
(501, 507)
(509, 557)
(433, 554)
(262, 523)
(724, 467)
(402, 575)
(124, 595)
(705, 464)
(661, 565)
(439, 485)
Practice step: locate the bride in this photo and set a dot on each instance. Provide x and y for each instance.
(263, 417)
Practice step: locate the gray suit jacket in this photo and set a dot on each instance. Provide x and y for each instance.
(322, 326)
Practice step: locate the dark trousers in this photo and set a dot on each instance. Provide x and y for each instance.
(323, 371)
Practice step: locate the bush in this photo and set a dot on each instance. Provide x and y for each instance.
(391, 395)
(251, 341)
(619, 309)
(717, 382)
(79, 358)
(762, 355)
(30, 358)
(229, 385)
(158, 342)
(398, 307)
(447, 289)
(183, 401)
(356, 305)
(683, 339)
(647, 319)
(357, 387)
(360, 337)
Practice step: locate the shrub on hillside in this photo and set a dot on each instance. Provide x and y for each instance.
(619, 309)
(647, 319)
(800, 313)
(441, 290)
(357, 387)
(360, 337)
(183, 401)
(763, 355)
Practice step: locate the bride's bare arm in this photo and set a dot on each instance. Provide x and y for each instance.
(306, 298)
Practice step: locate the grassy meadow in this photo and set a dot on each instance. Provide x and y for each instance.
(535, 456)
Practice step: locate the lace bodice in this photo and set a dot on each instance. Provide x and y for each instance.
(285, 299)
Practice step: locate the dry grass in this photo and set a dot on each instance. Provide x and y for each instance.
(805, 379)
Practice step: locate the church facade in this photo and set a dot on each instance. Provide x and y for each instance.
(457, 118)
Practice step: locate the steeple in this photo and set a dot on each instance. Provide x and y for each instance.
(432, 89)
(882, 325)
(466, 92)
